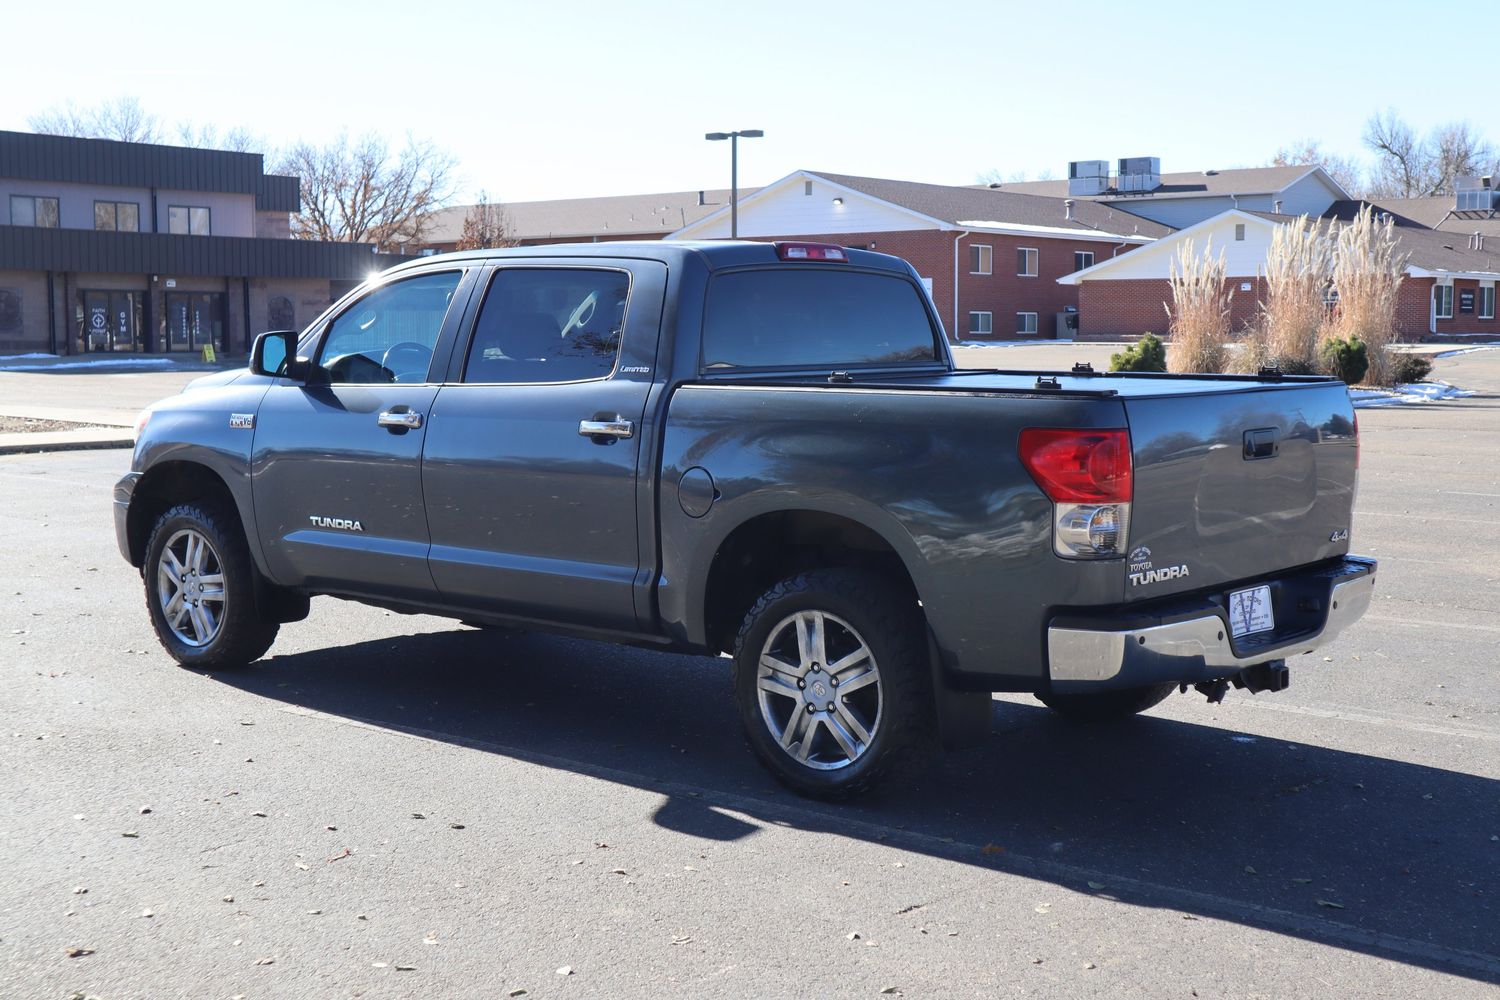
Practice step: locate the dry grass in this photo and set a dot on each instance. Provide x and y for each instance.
(1295, 310)
(1199, 314)
(1367, 274)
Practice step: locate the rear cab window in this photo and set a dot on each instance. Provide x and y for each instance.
(549, 324)
(816, 317)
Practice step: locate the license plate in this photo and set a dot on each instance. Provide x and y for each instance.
(1250, 611)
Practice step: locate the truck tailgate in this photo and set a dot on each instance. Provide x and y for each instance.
(1234, 485)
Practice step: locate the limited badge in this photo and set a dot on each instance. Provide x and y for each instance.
(241, 421)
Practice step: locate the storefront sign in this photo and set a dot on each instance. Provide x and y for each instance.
(1466, 301)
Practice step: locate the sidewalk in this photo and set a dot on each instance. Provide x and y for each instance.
(116, 363)
(31, 442)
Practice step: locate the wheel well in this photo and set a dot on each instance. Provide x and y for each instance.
(165, 486)
(772, 547)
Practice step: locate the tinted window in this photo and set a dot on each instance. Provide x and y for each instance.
(542, 324)
(389, 334)
(814, 318)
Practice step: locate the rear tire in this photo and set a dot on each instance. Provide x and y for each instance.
(201, 588)
(832, 682)
(1107, 706)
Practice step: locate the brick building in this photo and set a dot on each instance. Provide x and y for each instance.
(132, 247)
(991, 259)
(1449, 289)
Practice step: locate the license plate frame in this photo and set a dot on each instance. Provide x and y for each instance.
(1250, 611)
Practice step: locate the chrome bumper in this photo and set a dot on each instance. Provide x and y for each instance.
(1191, 650)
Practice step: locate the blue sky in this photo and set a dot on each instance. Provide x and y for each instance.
(568, 99)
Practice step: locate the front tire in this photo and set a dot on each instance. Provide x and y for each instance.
(201, 589)
(832, 682)
(1107, 706)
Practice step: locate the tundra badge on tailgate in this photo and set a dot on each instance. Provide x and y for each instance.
(1141, 573)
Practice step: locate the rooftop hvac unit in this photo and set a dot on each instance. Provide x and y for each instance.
(1139, 173)
(1475, 194)
(1088, 177)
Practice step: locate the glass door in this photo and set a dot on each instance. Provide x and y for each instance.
(109, 321)
(195, 320)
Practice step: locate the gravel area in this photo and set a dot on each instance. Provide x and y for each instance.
(25, 425)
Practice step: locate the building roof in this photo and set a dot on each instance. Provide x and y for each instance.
(1430, 252)
(34, 157)
(986, 208)
(1436, 212)
(586, 218)
(1193, 183)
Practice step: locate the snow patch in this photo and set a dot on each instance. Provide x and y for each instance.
(1461, 350)
(5, 364)
(1410, 392)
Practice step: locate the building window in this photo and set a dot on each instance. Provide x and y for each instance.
(980, 259)
(1486, 301)
(27, 210)
(1442, 298)
(119, 216)
(1026, 322)
(1082, 259)
(807, 187)
(187, 220)
(981, 324)
(1239, 232)
(1027, 260)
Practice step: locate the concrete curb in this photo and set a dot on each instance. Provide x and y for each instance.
(36, 442)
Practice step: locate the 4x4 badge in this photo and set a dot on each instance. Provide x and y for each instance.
(1342, 535)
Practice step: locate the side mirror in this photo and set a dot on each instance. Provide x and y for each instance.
(275, 353)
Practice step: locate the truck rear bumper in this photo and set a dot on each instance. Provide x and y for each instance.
(1189, 640)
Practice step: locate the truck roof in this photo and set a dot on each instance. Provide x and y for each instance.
(714, 253)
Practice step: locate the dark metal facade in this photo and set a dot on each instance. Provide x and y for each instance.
(27, 156)
(26, 248)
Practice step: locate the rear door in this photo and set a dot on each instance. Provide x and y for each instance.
(1233, 484)
(533, 455)
(337, 475)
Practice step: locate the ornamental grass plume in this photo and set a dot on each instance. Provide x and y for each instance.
(1294, 311)
(1367, 275)
(1199, 314)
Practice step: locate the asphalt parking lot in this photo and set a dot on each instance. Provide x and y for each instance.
(399, 806)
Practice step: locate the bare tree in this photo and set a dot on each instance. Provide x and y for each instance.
(357, 191)
(486, 226)
(995, 176)
(236, 140)
(1345, 170)
(1411, 166)
(121, 118)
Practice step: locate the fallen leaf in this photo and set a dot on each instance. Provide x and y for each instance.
(1036, 961)
(147, 913)
(618, 871)
(228, 899)
(79, 952)
(566, 970)
(890, 991)
(418, 816)
(304, 866)
(130, 833)
(1330, 904)
(406, 968)
(991, 849)
(80, 890)
(265, 961)
(516, 993)
(853, 936)
(314, 913)
(360, 916)
(145, 810)
(259, 813)
(1089, 965)
(258, 885)
(455, 826)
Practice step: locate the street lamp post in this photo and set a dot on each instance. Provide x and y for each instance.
(734, 172)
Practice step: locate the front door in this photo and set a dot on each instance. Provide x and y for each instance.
(337, 468)
(194, 320)
(531, 515)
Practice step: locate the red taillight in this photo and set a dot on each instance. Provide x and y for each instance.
(1079, 466)
(810, 251)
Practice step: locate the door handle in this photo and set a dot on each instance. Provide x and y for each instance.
(616, 428)
(403, 420)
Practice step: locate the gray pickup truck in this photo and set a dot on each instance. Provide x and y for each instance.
(757, 449)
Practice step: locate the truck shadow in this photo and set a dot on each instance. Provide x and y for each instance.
(1195, 818)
